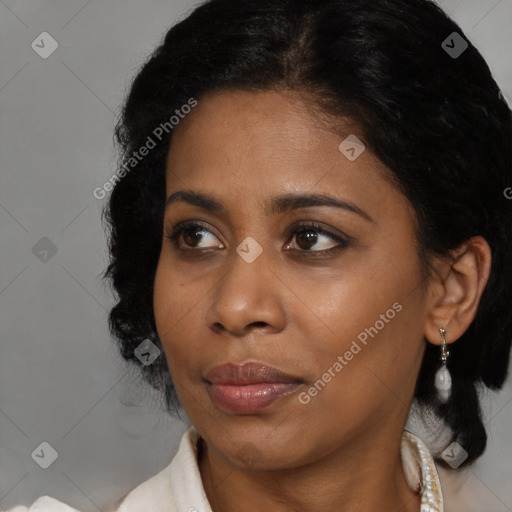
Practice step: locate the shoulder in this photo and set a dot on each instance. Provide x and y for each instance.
(177, 487)
(151, 494)
(45, 504)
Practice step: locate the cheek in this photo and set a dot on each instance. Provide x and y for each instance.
(179, 305)
(352, 298)
(173, 308)
(163, 290)
(368, 372)
(373, 318)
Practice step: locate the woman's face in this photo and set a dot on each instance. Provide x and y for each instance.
(339, 306)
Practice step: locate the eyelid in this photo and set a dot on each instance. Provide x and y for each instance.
(317, 226)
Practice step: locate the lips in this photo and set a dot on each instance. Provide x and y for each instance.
(248, 373)
(250, 387)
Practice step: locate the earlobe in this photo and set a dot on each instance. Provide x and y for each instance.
(457, 294)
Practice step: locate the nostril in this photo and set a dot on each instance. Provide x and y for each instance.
(258, 324)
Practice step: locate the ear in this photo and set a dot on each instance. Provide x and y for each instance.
(456, 290)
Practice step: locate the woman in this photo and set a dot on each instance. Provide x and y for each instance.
(310, 222)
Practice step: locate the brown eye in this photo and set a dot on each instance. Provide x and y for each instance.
(306, 239)
(309, 236)
(193, 234)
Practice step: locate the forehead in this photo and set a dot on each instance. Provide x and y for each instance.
(257, 116)
(248, 146)
(248, 129)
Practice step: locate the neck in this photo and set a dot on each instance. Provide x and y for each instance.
(367, 475)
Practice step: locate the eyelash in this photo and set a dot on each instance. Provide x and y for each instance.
(179, 228)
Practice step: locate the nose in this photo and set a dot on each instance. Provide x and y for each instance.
(248, 297)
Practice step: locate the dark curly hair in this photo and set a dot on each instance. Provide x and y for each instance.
(438, 121)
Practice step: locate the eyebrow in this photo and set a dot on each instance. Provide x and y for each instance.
(279, 204)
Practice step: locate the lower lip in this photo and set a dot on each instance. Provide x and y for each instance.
(250, 397)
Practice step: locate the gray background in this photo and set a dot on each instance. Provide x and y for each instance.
(61, 380)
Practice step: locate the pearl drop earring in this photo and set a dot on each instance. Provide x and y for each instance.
(443, 379)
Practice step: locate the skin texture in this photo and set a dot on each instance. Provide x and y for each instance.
(298, 312)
